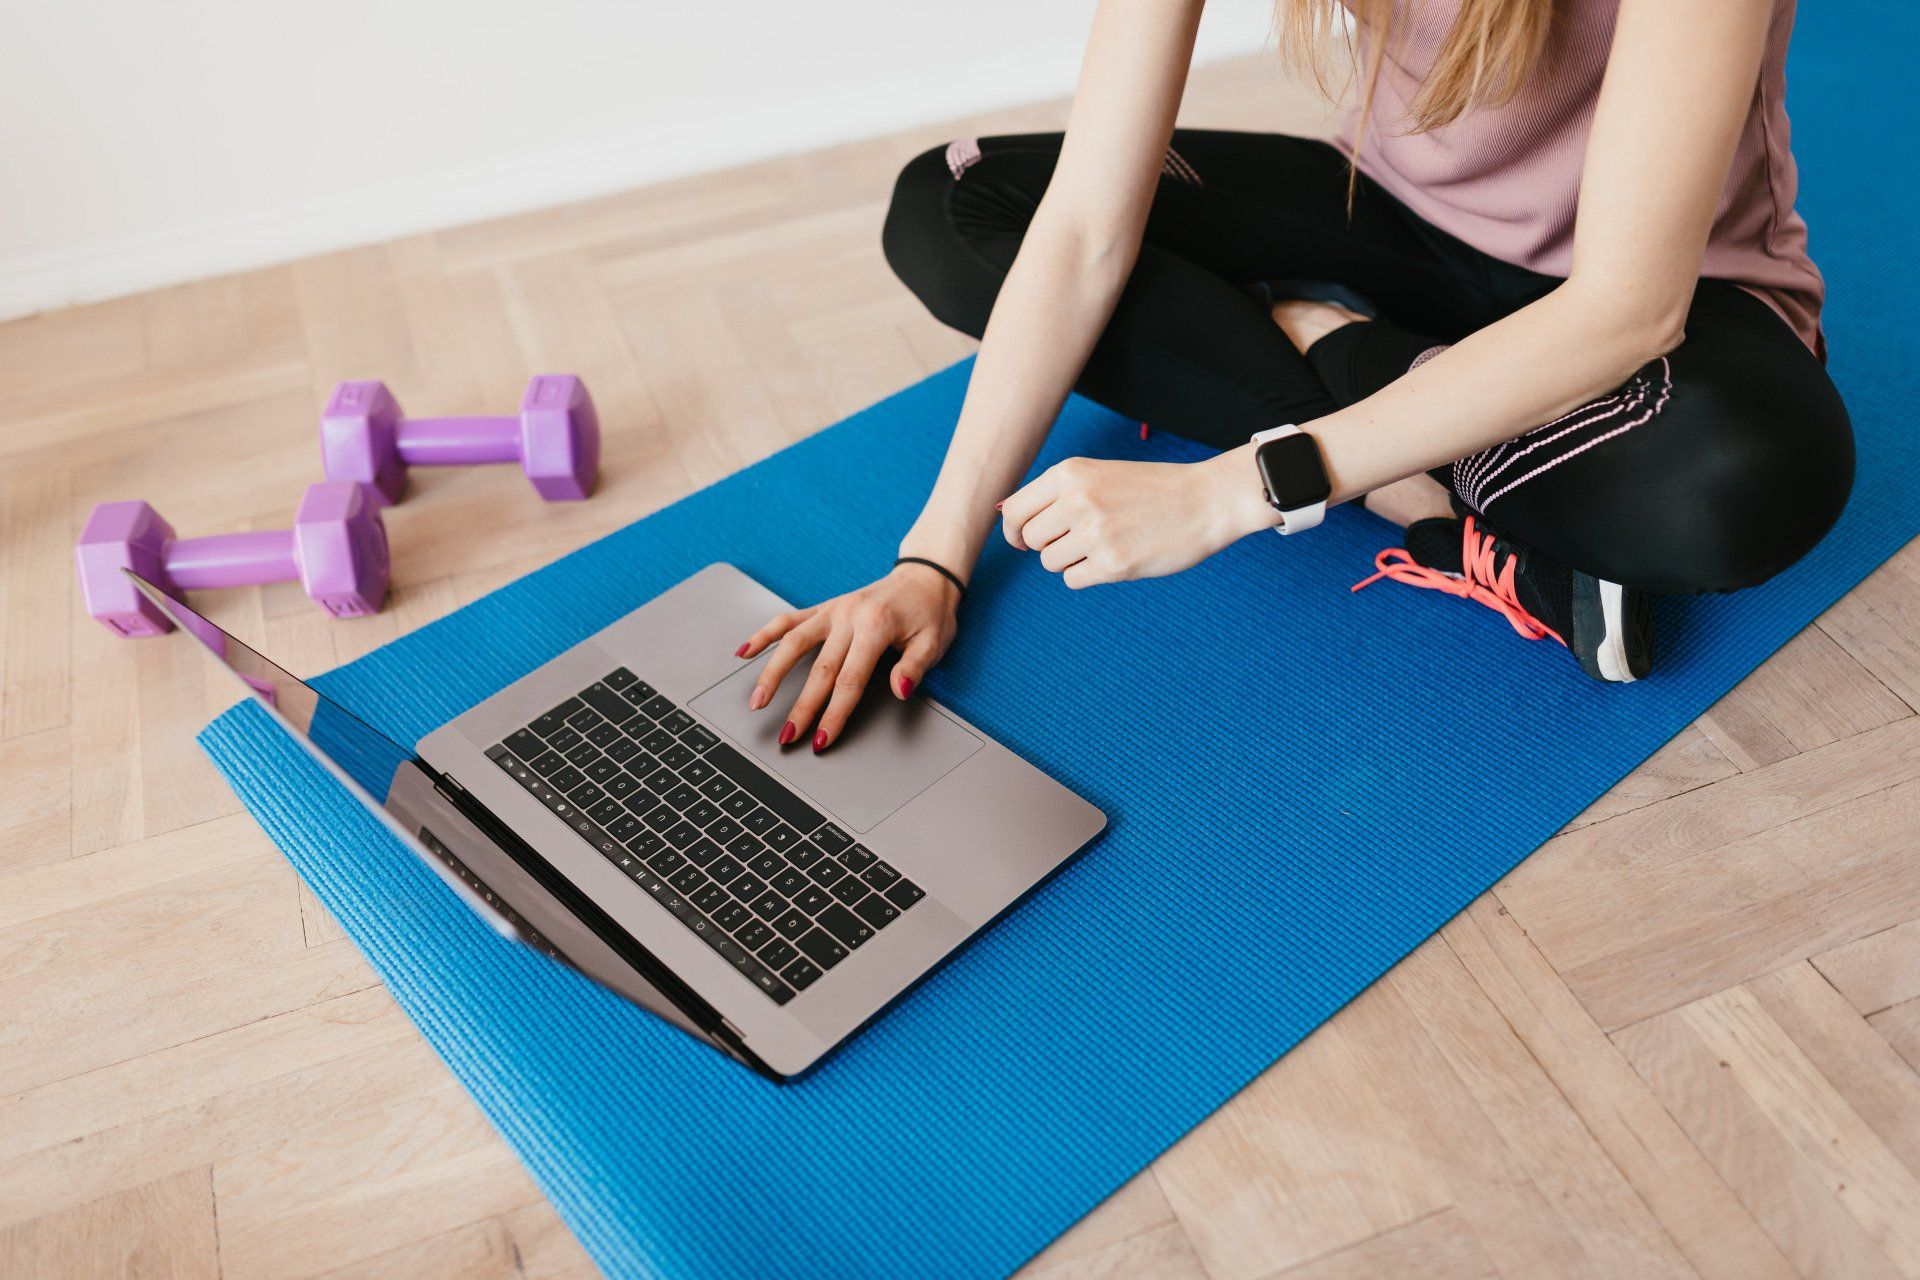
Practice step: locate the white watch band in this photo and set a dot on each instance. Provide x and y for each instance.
(1299, 519)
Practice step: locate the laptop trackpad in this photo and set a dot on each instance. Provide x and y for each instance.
(889, 752)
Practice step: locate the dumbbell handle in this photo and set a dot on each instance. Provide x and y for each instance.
(231, 559)
(448, 442)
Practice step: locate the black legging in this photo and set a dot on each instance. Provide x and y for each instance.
(1713, 468)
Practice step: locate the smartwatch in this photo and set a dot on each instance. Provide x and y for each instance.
(1294, 475)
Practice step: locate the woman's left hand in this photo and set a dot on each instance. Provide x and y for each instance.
(1093, 520)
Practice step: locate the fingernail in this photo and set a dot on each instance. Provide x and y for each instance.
(788, 733)
(741, 652)
(1143, 431)
(819, 742)
(906, 686)
(756, 700)
(998, 505)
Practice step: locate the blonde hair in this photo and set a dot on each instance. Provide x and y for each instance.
(1494, 46)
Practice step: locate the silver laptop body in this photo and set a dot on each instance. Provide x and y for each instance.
(867, 864)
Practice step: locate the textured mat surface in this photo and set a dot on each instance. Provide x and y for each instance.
(1062, 1052)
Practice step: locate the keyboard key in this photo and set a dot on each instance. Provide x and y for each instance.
(641, 765)
(608, 812)
(601, 769)
(724, 869)
(812, 901)
(857, 857)
(768, 865)
(782, 837)
(642, 802)
(750, 777)
(760, 821)
(698, 772)
(525, 744)
(607, 703)
(657, 706)
(826, 871)
(724, 829)
(831, 838)
(791, 882)
(739, 804)
(623, 749)
(567, 779)
(700, 738)
(681, 834)
(753, 935)
(709, 897)
(666, 862)
(849, 890)
(777, 953)
(765, 979)
(555, 720)
(587, 794)
(820, 947)
(625, 827)
(621, 680)
(791, 924)
(620, 785)
(879, 875)
(716, 788)
(604, 734)
(636, 693)
(682, 796)
(688, 879)
(804, 854)
(663, 780)
(801, 973)
(905, 894)
(731, 916)
(676, 722)
(701, 852)
(548, 763)
(746, 846)
(769, 906)
(876, 911)
(647, 843)
(564, 739)
(582, 753)
(657, 740)
(584, 719)
(747, 887)
(849, 929)
(702, 814)
(678, 756)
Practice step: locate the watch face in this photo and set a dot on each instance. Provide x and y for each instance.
(1291, 469)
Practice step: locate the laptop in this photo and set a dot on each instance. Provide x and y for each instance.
(621, 811)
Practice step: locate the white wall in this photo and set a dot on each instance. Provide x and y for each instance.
(144, 143)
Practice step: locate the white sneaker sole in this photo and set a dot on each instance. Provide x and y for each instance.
(1612, 653)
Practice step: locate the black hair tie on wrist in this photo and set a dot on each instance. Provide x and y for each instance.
(940, 569)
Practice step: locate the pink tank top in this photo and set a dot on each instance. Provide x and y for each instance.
(1506, 179)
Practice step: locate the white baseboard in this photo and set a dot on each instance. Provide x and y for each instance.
(556, 175)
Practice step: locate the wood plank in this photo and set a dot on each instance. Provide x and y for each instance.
(1878, 622)
(1878, 971)
(1807, 695)
(38, 601)
(36, 800)
(1139, 1206)
(1435, 1247)
(162, 1230)
(527, 1243)
(1687, 762)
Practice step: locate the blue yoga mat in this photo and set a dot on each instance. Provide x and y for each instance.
(1102, 1020)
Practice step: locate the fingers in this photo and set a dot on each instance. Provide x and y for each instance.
(819, 685)
(848, 687)
(1026, 503)
(776, 627)
(1086, 574)
(1064, 552)
(796, 644)
(908, 673)
(1053, 520)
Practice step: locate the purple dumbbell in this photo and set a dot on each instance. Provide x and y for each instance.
(556, 438)
(337, 548)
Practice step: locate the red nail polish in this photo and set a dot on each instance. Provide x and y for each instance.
(741, 652)
(906, 686)
(820, 741)
(998, 505)
(788, 733)
(1143, 431)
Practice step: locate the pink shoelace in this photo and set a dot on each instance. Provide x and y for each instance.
(1480, 582)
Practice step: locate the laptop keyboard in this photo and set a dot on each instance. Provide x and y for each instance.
(738, 858)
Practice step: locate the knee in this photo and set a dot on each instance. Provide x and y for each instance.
(926, 250)
(1764, 487)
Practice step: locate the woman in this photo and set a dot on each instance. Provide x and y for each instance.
(1574, 345)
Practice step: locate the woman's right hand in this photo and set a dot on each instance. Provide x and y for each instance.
(912, 609)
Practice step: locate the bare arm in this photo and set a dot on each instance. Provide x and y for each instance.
(1679, 83)
(1073, 262)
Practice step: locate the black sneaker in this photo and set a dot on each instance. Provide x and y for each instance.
(1608, 627)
